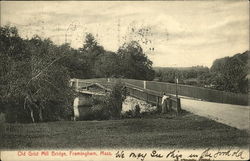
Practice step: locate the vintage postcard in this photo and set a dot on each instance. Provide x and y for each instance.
(124, 80)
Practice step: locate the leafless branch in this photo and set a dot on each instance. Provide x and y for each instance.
(44, 70)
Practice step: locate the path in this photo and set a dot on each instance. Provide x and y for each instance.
(232, 115)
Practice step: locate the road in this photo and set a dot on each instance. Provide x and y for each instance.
(232, 115)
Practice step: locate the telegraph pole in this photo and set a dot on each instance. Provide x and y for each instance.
(176, 87)
(119, 32)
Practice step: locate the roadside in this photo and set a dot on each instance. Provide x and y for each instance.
(232, 115)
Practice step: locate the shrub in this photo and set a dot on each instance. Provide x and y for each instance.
(15, 113)
(127, 114)
(100, 112)
(96, 112)
(134, 113)
(98, 109)
(86, 114)
(56, 111)
(115, 98)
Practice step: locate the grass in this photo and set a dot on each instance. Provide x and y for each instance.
(158, 131)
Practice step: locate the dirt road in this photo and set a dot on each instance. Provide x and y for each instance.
(232, 115)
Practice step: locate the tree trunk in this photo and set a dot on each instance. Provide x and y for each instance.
(32, 115)
(40, 114)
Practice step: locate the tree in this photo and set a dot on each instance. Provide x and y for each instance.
(91, 52)
(93, 61)
(32, 77)
(134, 63)
(14, 67)
(49, 84)
(107, 65)
(231, 73)
(75, 62)
(194, 75)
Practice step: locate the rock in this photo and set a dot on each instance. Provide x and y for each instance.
(130, 104)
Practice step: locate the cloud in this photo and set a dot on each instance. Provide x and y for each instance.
(183, 33)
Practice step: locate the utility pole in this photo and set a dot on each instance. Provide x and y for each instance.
(119, 32)
(176, 89)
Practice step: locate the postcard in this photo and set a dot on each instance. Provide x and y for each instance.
(124, 80)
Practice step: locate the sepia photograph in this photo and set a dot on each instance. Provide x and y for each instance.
(124, 80)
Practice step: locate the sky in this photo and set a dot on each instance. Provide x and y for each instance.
(172, 33)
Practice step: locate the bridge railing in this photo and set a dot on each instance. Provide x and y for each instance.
(153, 97)
(201, 93)
(135, 90)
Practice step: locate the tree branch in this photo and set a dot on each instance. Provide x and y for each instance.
(44, 70)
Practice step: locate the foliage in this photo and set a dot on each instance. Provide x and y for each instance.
(135, 64)
(92, 61)
(13, 114)
(91, 52)
(137, 110)
(95, 112)
(108, 65)
(35, 73)
(115, 98)
(184, 75)
(75, 63)
(32, 76)
(127, 114)
(229, 73)
(14, 71)
(226, 74)
(100, 112)
(91, 47)
(92, 111)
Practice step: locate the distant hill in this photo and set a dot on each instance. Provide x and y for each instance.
(157, 69)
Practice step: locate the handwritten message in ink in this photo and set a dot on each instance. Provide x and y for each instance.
(182, 155)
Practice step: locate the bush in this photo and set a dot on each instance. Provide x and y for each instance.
(148, 113)
(134, 113)
(127, 114)
(15, 113)
(98, 109)
(96, 112)
(100, 112)
(87, 114)
(137, 111)
(56, 111)
(115, 98)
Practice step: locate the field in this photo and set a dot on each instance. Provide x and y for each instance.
(158, 131)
